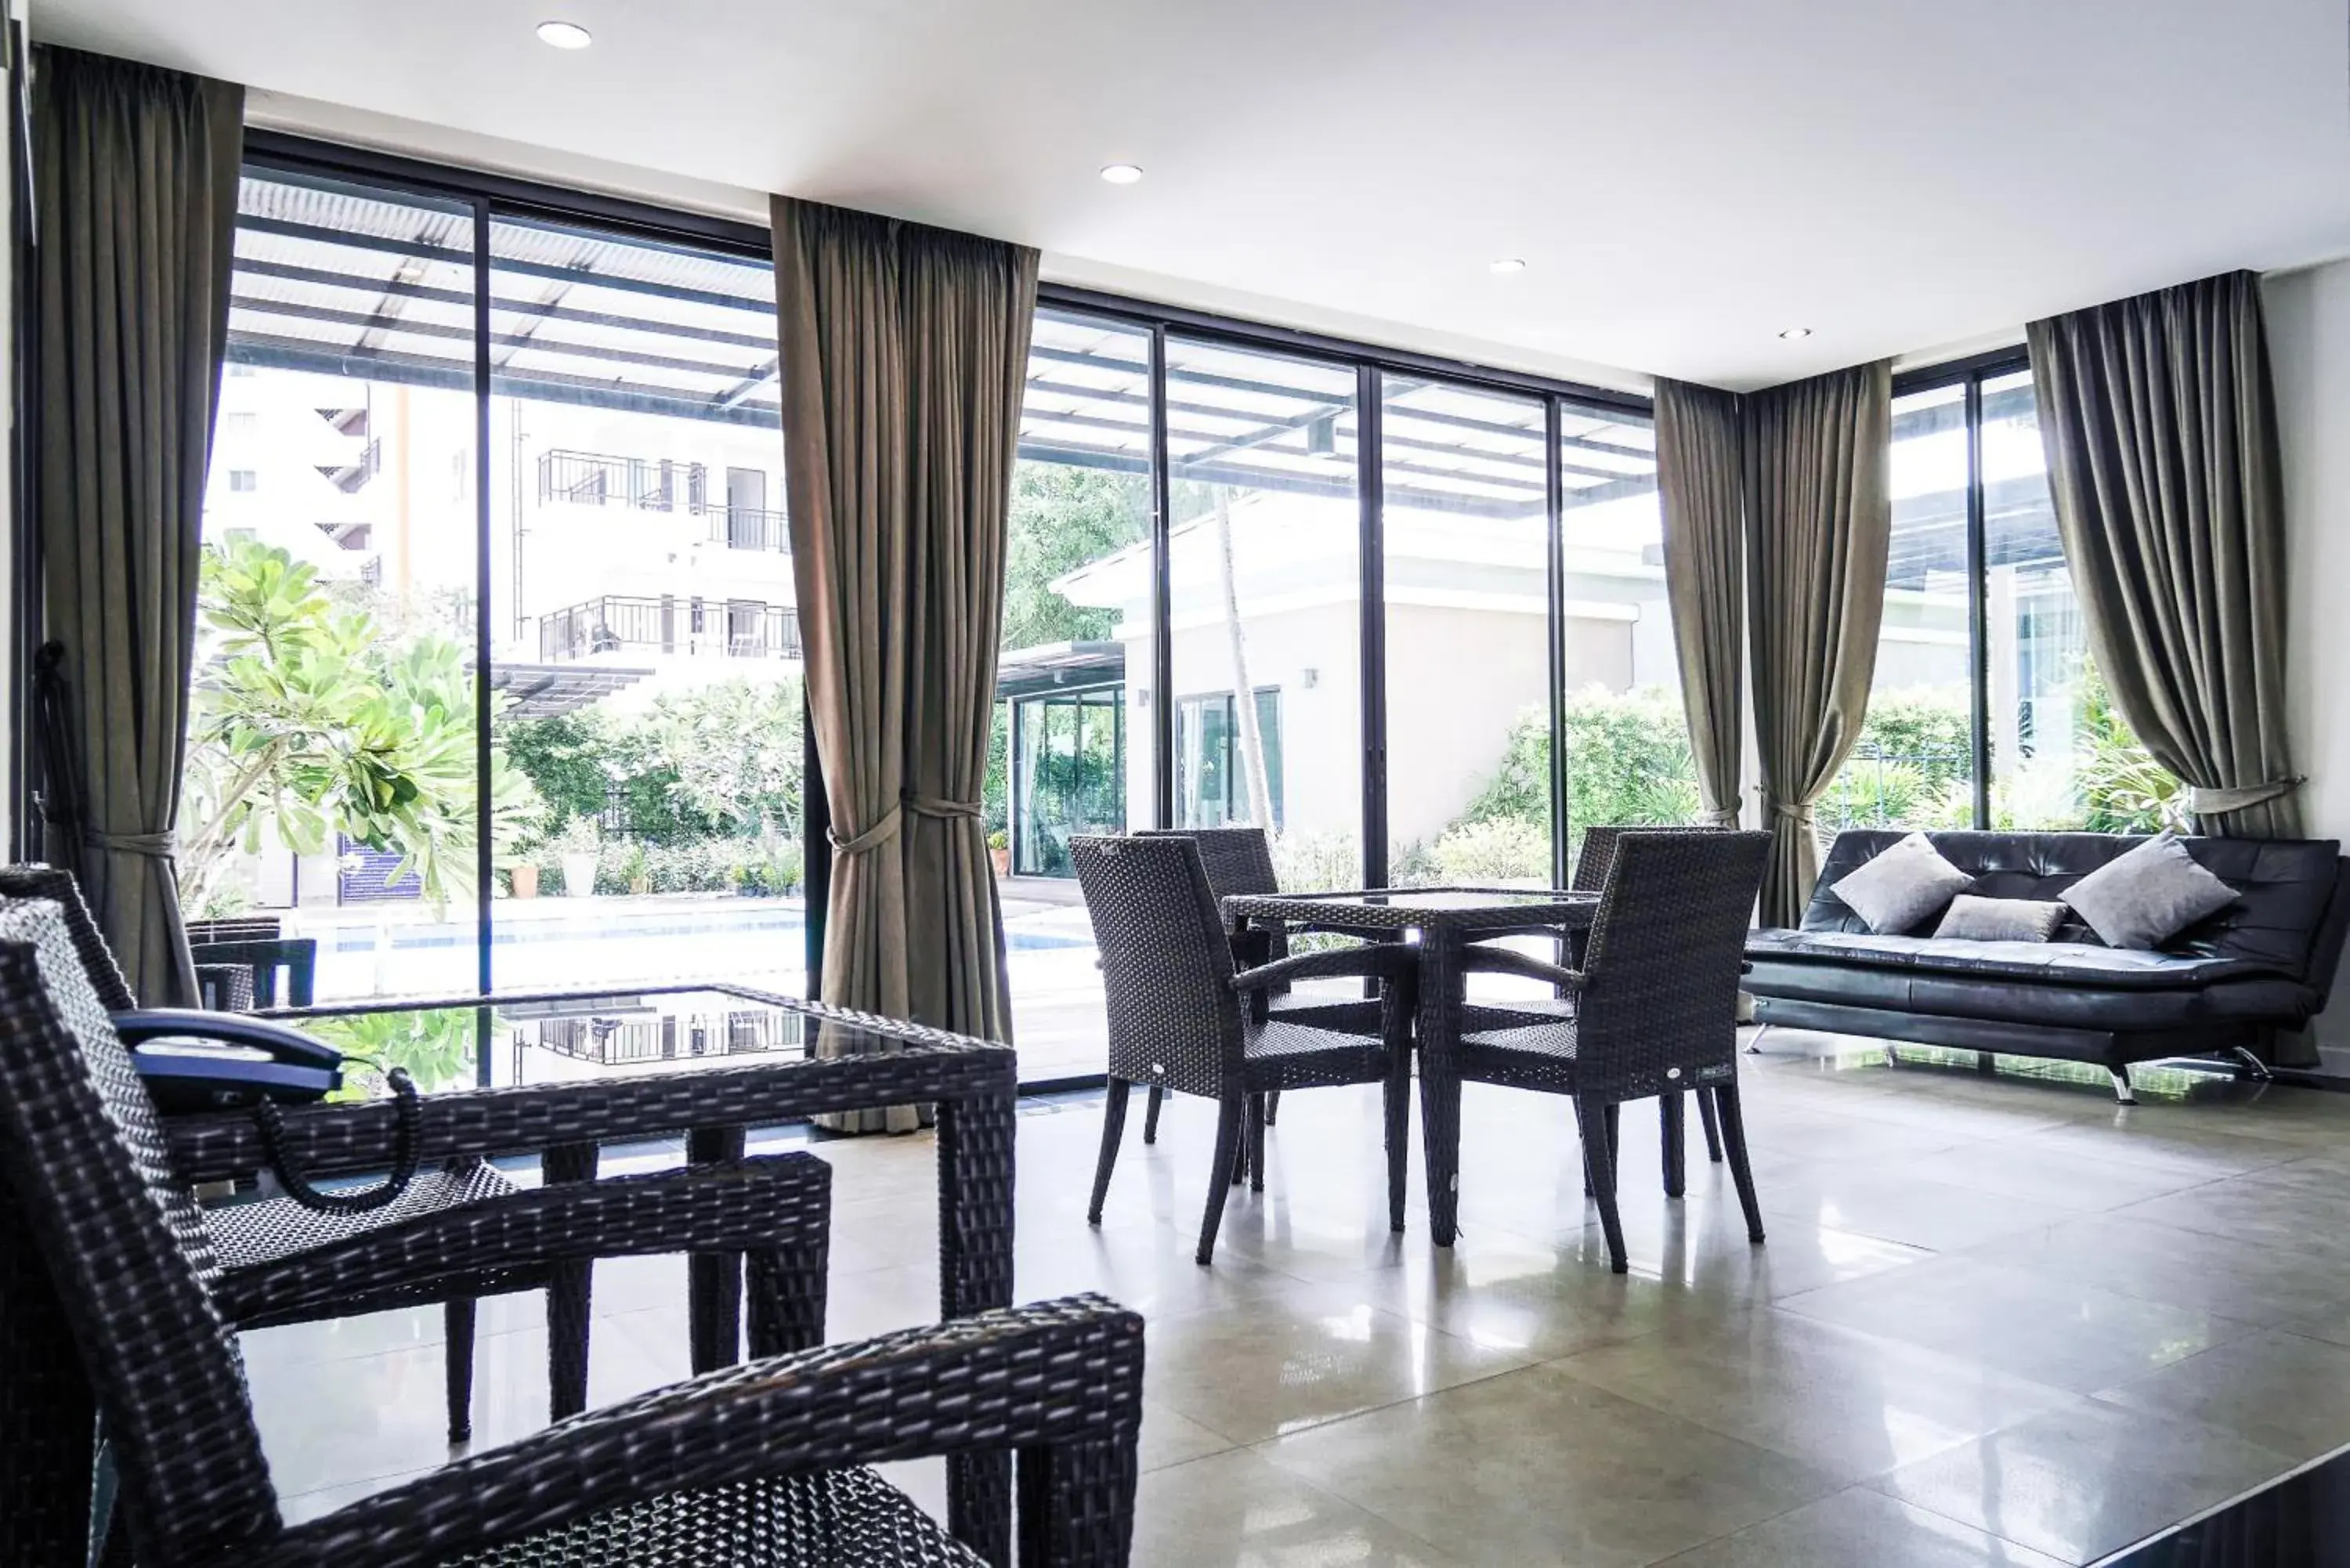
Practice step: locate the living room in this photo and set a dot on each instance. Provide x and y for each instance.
(708, 706)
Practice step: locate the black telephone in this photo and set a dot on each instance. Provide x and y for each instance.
(193, 1060)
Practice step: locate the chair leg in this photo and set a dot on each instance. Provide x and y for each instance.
(1256, 1115)
(1671, 1119)
(784, 1293)
(1733, 1140)
(1713, 1124)
(1583, 1138)
(1398, 1093)
(1614, 1137)
(1231, 1112)
(1599, 1156)
(457, 1318)
(1150, 1114)
(1272, 1106)
(1114, 1128)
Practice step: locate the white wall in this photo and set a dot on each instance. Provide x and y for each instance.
(2309, 349)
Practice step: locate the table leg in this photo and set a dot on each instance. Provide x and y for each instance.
(714, 1297)
(1440, 1077)
(567, 1294)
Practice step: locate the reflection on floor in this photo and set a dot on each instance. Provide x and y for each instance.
(1999, 1320)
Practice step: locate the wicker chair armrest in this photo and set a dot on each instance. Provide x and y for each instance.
(1507, 961)
(780, 1202)
(468, 1123)
(1383, 961)
(1059, 1381)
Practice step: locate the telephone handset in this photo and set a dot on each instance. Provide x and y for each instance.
(193, 1060)
(197, 1061)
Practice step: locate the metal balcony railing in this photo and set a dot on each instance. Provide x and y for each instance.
(725, 629)
(596, 479)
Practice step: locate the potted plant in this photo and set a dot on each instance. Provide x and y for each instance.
(525, 876)
(580, 847)
(999, 850)
(632, 867)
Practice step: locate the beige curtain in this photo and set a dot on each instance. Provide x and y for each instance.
(136, 184)
(2162, 455)
(1701, 481)
(1819, 522)
(904, 352)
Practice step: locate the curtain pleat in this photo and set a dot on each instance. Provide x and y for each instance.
(1819, 522)
(2160, 428)
(1700, 483)
(136, 186)
(904, 353)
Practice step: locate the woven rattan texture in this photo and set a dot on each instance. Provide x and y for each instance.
(1167, 968)
(1510, 910)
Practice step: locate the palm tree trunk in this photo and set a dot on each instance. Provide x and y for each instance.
(1244, 722)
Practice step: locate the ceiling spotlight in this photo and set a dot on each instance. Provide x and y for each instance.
(1121, 173)
(1796, 333)
(564, 34)
(1507, 264)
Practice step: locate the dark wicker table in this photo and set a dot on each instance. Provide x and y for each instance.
(1447, 919)
(578, 1069)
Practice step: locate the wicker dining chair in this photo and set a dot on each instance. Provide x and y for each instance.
(283, 1263)
(1654, 1005)
(112, 1271)
(1183, 1019)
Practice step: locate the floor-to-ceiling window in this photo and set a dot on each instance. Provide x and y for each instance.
(1073, 750)
(1264, 617)
(1465, 535)
(330, 779)
(1986, 709)
(1626, 738)
(644, 634)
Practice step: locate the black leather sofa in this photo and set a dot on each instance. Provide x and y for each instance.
(2226, 985)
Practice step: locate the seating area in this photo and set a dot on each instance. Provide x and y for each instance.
(1240, 787)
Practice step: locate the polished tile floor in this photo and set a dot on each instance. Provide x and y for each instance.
(1999, 1320)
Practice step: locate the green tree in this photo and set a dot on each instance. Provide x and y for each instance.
(1062, 518)
(309, 724)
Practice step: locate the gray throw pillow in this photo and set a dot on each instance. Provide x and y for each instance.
(2148, 895)
(1902, 886)
(1977, 919)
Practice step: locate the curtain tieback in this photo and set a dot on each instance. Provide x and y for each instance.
(2238, 797)
(940, 809)
(1792, 811)
(1721, 817)
(153, 846)
(873, 837)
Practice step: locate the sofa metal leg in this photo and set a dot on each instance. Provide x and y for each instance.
(2121, 1091)
(1754, 1046)
(2253, 1064)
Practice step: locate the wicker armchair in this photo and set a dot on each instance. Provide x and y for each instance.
(1181, 1019)
(113, 1271)
(1654, 1006)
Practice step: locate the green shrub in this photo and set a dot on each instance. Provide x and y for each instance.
(1499, 849)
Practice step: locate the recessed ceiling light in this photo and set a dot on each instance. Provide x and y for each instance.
(1507, 264)
(1796, 333)
(564, 34)
(1121, 173)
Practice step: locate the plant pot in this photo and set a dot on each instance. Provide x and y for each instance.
(1002, 859)
(640, 885)
(526, 881)
(579, 875)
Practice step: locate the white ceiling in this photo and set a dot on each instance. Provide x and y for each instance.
(1684, 177)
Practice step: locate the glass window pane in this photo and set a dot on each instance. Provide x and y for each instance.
(1073, 750)
(1466, 538)
(1628, 750)
(2061, 756)
(1913, 765)
(648, 726)
(1266, 558)
(335, 618)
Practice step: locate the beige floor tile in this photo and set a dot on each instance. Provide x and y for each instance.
(1858, 1528)
(1896, 1205)
(1849, 1404)
(2085, 1480)
(1235, 1510)
(2058, 1331)
(1536, 1468)
(2283, 1391)
(2141, 1255)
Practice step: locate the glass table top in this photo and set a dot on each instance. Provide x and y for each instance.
(1405, 908)
(558, 1037)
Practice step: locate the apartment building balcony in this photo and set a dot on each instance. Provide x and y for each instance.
(686, 627)
(739, 518)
